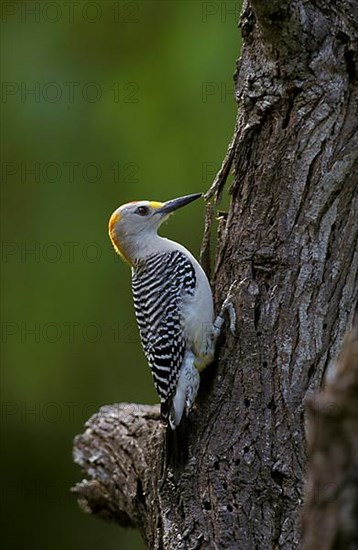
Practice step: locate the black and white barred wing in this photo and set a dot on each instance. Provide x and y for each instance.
(159, 285)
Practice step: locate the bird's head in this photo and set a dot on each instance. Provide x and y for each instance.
(132, 225)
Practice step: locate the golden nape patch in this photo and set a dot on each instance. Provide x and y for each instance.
(116, 216)
(155, 204)
(113, 220)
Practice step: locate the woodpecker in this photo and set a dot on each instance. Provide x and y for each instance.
(172, 300)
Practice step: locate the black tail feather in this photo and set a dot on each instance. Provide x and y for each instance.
(164, 412)
(176, 441)
(177, 446)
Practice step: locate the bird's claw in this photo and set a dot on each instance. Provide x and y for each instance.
(228, 305)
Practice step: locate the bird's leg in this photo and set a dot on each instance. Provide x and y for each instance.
(229, 307)
(220, 319)
(212, 332)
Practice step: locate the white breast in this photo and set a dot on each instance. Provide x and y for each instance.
(198, 309)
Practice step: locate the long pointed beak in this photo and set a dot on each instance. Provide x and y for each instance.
(174, 204)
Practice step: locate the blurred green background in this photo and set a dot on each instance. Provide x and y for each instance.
(102, 103)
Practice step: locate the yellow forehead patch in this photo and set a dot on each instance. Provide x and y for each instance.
(155, 204)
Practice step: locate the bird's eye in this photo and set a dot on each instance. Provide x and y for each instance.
(142, 210)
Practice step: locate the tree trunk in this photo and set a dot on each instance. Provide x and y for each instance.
(331, 493)
(290, 240)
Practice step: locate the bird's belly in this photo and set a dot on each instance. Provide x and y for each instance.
(198, 319)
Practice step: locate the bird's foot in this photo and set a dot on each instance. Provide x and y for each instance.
(228, 306)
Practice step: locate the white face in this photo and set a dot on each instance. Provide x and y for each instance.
(134, 217)
(132, 225)
(132, 222)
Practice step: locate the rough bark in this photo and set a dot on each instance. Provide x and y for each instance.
(331, 490)
(291, 236)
